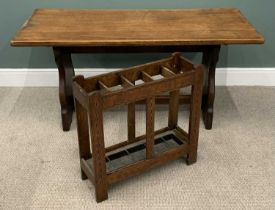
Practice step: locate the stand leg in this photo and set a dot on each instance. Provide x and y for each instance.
(66, 72)
(194, 119)
(98, 147)
(210, 59)
(83, 134)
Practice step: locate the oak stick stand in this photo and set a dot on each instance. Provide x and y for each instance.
(93, 95)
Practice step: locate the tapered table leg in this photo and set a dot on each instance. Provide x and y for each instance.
(210, 59)
(66, 72)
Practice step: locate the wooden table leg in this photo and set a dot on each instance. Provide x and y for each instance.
(66, 72)
(210, 59)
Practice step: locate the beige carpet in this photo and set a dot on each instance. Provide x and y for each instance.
(39, 164)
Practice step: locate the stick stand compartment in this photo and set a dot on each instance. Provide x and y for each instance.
(105, 166)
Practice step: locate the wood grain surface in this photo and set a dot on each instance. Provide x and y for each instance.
(68, 27)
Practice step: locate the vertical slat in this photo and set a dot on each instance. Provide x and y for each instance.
(131, 117)
(98, 147)
(131, 120)
(173, 109)
(194, 119)
(150, 121)
(83, 134)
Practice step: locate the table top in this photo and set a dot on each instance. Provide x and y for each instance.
(69, 27)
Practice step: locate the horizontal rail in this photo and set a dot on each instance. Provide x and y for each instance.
(113, 78)
(181, 133)
(87, 170)
(144, 165)
(164, 99)
(143, 71)
(135, 49)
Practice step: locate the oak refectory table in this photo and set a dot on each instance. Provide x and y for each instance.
(70, 31)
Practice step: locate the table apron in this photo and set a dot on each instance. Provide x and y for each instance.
(135, 49)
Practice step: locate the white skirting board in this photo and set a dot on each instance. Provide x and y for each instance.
(49, 77)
